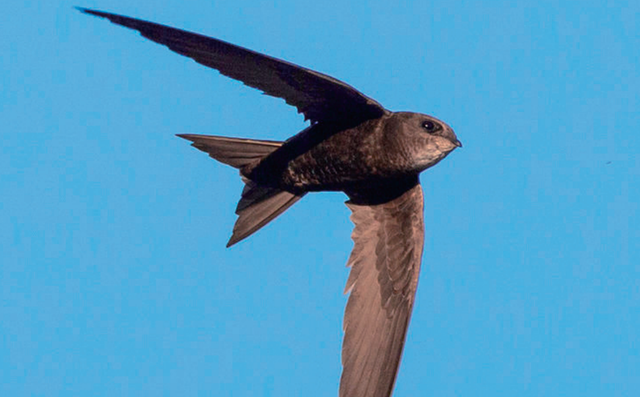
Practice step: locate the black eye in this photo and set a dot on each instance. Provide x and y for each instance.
(430, 126)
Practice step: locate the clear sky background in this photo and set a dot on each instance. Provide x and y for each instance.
(114, 279)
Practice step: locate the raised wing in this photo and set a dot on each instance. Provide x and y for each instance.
(318, 96)
(385, 263)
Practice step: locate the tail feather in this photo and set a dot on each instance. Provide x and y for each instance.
(258, 205)
(235, 152)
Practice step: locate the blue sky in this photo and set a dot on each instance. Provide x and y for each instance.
(115, 280)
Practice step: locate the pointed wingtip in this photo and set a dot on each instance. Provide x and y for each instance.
(114, 18)
(232, 241)
(237, 237)
(89, 11)
(188, 137)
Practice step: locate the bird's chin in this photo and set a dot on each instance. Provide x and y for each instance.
(430, 161)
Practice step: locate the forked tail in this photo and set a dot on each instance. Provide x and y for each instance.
(259, 204)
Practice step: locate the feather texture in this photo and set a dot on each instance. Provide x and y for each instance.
(318, 96)
(385, 263)
(236, 152)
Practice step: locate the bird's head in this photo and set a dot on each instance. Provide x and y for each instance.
(423, 140)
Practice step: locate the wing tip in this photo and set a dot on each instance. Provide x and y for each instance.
(188, 137)
(128, 22)
(91, 12)
(234, 239)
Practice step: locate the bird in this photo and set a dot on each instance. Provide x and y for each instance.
(352, 144)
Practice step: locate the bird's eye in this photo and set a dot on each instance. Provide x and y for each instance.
(430, 126)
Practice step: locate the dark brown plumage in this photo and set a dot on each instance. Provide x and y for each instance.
(353, 145)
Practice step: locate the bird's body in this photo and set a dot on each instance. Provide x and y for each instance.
(353, 145)
(371, 153)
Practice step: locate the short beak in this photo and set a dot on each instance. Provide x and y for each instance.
(457, 143)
